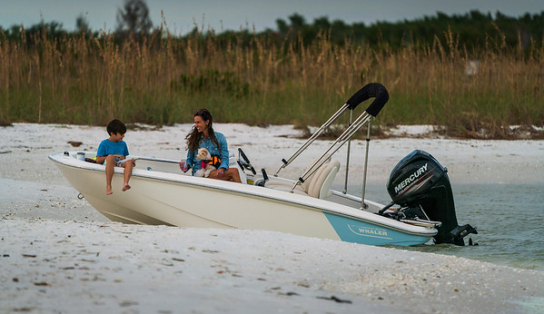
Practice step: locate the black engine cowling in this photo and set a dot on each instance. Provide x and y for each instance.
(420, 185)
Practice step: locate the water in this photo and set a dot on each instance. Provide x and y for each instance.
(509, 219)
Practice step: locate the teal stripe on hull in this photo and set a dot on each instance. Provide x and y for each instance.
(351, 230)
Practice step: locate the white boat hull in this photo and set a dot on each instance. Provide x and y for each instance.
(164, 195)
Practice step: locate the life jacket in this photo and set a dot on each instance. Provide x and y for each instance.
(215, 161)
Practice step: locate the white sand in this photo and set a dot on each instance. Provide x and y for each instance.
(58, 255)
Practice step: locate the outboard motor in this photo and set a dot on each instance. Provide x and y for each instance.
(420, 185)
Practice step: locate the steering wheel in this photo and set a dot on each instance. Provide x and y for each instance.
(244, 163)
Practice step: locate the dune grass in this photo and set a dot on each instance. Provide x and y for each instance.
(163, 80)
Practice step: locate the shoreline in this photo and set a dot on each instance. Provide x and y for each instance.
(467, 161)
(58, 253)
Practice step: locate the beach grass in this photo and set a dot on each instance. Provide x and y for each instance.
(162, 80)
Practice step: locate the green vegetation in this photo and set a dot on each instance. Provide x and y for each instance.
(435, 73)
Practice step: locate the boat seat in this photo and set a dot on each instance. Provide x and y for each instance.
(317, 185)
(321, 182)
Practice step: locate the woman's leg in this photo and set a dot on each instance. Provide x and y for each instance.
(234, 175)
(230, 174)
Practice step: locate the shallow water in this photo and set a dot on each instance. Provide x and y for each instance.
(509, 219)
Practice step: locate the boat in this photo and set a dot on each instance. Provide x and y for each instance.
(421, 211)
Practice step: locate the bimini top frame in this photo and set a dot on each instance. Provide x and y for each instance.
(381, 96)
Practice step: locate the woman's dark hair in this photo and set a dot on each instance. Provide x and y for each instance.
(116, 126)
(193, 138)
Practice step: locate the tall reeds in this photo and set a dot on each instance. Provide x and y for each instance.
(163, 79)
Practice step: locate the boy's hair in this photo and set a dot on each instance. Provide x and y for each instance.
(116, 127)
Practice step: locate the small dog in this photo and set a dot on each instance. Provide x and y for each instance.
(207, 162)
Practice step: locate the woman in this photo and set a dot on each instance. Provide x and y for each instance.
(203, 135)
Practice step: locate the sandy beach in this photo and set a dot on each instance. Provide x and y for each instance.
(59, 255)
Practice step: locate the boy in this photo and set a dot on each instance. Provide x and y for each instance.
(114, 152)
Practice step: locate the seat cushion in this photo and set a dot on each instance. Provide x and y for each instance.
(322, 181)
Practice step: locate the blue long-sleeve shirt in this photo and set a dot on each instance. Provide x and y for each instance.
(222, 152)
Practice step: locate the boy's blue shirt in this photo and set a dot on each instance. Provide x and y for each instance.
(222, 152)
(108, 147)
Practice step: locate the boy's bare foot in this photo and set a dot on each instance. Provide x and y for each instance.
(109, 191)
(126, 187)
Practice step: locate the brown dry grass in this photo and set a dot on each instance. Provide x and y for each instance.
(164, 79)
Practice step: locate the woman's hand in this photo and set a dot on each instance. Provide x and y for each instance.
(183, 165)
(219, 173)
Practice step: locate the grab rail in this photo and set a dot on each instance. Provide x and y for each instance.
(376, 90)
(156, 159)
